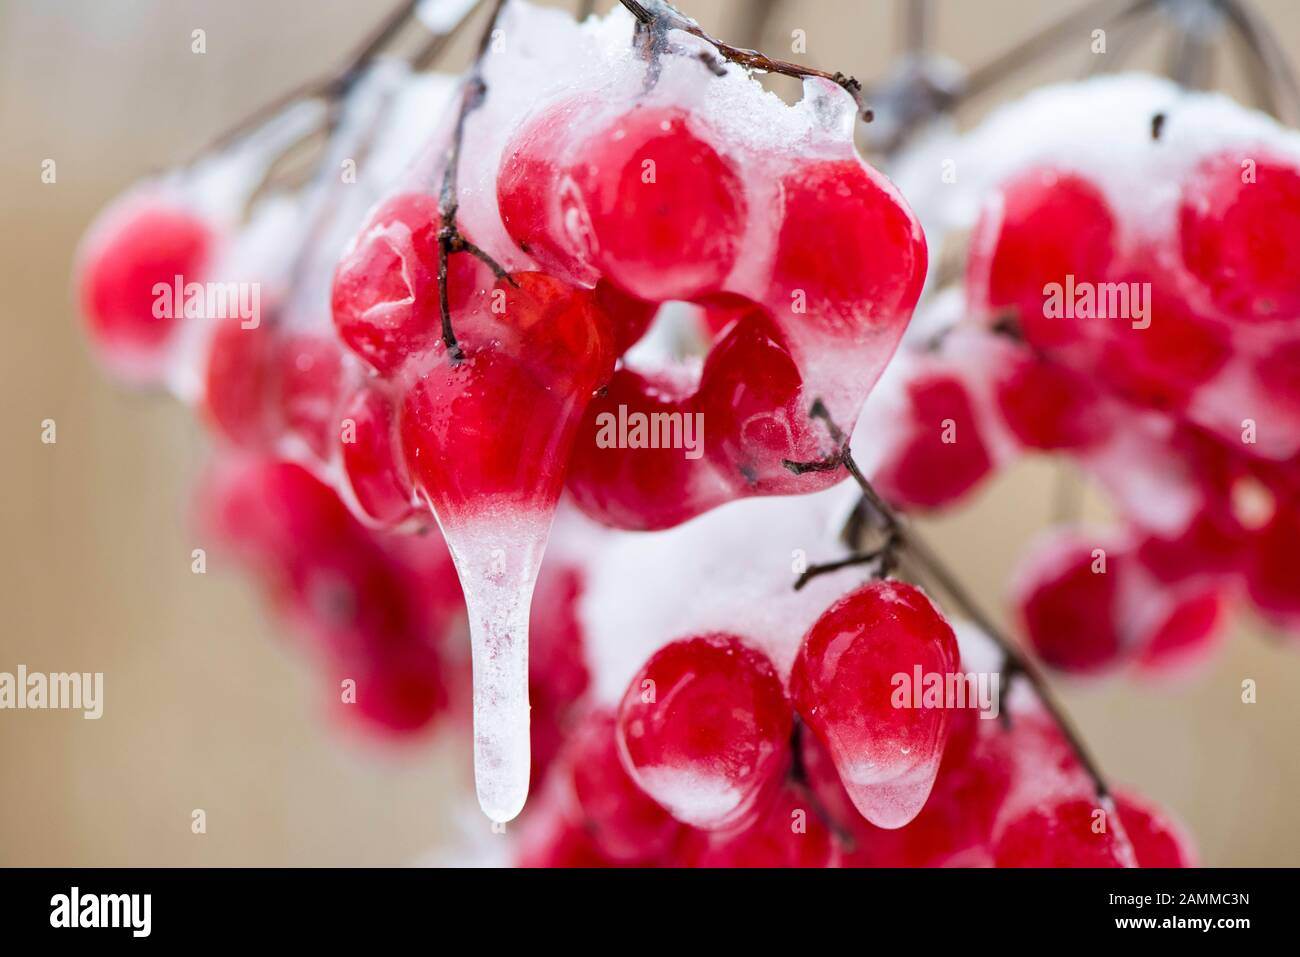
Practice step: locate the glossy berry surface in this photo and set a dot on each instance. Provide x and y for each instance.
(849, 255)
(1045, 225)
(846, 686)
(622, 820)
(649, 186)
(370, 459)
(704, 729)
(385, 294)
(1062, 833)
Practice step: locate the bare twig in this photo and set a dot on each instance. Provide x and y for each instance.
(914, 550)
(657, 18)
(450, 238)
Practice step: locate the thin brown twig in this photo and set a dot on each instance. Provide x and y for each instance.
(659, 18)
(450, 239)
(912, 547)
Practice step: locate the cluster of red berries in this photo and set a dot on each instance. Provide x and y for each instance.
(473, 367)
(646, 206)
(710, 760)
(1157, 349)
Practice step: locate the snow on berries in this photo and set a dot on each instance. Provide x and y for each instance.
(543, 424)
(1137, 281)
(660, 191)
(705, 729)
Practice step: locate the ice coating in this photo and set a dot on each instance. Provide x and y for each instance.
(694, 798)
(497, 559)
(896, 799)
(1102, 129)
(645, 590)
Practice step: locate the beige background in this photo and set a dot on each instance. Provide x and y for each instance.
(206, 706)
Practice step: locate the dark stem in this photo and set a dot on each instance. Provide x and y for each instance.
(883, 555)
(450, 238)
(799, 778)
(914, 550)
(658, 18)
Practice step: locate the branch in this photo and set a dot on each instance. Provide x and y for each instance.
(914, 549)
(450, 239)
(658, 18)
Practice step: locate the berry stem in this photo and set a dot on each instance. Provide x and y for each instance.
(450, 238)
(883, 555)
(798, 776)
(915, 551)
(659, 18)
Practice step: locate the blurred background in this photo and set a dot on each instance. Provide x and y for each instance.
(206, 705)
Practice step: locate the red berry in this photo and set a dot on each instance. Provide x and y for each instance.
(1067, 594)
(530, 185)
(630, 316)
(624, 823)
(237, 382)
(1067, 832)
(1044, 226)
(136, 243)
(562, 332)
(641, 488)
(705, 729)
(485, 435)
(368, 451)
(1161, 363)
(1272, 573)
(788, 834)
(1157, 840)
(309, 376)
(1238, 219)
(1048, 406)
(1184, 631)
(940, 454)
(663, 211)
(385, 296)
(846, 687)
(850, 254)
(399, 694)
(752, 399)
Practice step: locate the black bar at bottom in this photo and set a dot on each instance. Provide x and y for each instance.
(332, 906)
